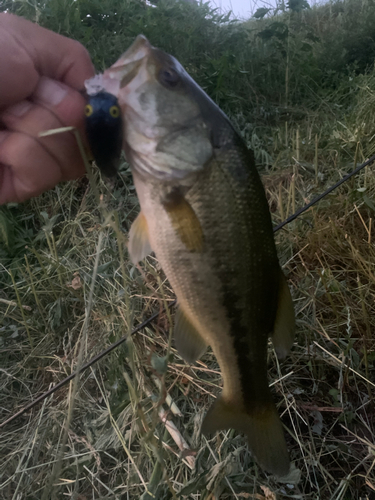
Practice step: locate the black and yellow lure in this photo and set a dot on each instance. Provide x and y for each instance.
(104, 131)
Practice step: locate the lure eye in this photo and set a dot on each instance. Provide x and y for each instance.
(114, 111)
(88, 110)
(169, 77)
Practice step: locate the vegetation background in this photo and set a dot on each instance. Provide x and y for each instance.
(299, 84)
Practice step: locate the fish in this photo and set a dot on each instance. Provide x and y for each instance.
(104, 130)
(205, 214)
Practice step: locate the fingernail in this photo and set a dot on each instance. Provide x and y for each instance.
(50, 92)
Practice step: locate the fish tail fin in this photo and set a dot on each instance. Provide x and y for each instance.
(262, 426)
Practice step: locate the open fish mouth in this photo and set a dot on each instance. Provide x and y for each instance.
(127, 67)
(123, 71)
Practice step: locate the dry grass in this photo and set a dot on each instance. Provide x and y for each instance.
(135, 419)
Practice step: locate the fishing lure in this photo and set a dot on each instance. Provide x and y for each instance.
(104, 131)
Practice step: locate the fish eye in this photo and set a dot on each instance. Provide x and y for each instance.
(114, 111)
(88, 110)
(169, 77)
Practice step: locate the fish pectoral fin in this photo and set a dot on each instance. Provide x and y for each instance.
(184, 220)
(284, 327)
(262, 426)
(188, 341)
(139, 245)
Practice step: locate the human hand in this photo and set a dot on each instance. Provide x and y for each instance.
(41, 75)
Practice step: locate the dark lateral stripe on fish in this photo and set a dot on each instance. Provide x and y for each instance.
(254, 387)
(251, 390)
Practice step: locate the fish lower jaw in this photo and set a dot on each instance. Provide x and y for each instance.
(138, 50)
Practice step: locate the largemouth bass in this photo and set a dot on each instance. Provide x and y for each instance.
(205, 215)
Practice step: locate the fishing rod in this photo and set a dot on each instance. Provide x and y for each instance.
(151, 318)
(321, 196)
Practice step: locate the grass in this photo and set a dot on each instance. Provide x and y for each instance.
(121, 442)
(128, 428)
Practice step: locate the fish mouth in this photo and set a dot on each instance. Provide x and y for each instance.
(137, 50)
(127, 67)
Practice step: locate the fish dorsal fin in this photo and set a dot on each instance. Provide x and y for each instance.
(184, 220)
(189, 342)
(139, 245)
(284, 327)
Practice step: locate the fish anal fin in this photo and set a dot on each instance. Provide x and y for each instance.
(139, 245)
(184, 220)
(284, 327)
(188, 341)
(262, 427)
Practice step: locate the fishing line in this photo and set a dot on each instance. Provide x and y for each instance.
(150, 319)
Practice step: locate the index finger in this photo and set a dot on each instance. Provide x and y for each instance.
(29, 51)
